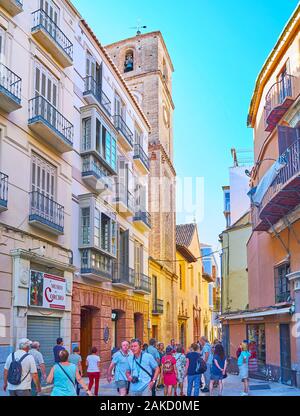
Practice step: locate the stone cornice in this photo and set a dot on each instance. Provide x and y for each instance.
(46, 261)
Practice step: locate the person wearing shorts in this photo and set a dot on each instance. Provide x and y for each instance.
(120, 364)
(218, 369)
(243, 363)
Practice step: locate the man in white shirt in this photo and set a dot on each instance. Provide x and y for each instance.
(29, 371)
(40, 364)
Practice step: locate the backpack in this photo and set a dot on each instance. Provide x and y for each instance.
(15, 371)
(201, 366)
(168, 367)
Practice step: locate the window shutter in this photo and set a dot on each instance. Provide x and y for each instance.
(286, 137)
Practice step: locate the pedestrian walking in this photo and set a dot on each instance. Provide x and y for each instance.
(19, 371)
(93, 370)
(75, 358)
(120, 365)
(152, 349)
(63, 376)
(181, 365)
(145, 347)
(207, 356)
(243, 363)
(40, 365)
(161, 351)
(193, 375)
(218, 369)
(169, 370)
(140, 375)
(58, 347)
(173, 345)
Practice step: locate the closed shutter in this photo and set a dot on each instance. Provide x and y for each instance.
(45, 331)
(2, 37)
(90, 66)
(46, 85)
(43, 177)
(286, 137)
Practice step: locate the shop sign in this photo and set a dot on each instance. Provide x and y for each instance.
(47, 291)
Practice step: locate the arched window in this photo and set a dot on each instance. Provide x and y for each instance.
(129, 61)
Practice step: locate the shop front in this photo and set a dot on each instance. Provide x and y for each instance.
(103, 318)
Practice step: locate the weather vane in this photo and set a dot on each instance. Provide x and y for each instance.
(138, 27)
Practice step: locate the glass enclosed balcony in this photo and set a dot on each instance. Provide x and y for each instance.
(142, 284)
(3, 191)
(142, 220)
(124, 201)
(96, 266)
(141, 159)
(125, 134)
(94, 95)
(46, 213)
(50, 125)
(96, 176)
(10, 90)
(123, 276)
(13, 7)
(49, 35)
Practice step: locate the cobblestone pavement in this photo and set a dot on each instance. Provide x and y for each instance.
(232, 387)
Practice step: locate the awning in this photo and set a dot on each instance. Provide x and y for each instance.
(255, 314)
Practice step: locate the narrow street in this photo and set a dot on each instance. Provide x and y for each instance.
(232, 387)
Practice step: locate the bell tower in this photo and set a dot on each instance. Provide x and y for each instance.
(145, 64)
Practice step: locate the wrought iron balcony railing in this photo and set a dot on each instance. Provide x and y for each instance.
(45, 211)
(122, 127)
(272, 208)
(143, 216)
(157, 306)
(42, 20)
(41, 110)
(123, 275)
(139, 153)
(10, 83)
(142, 283)
(281, 297)
(278, 100)
(94, 88)
(91, 166)
(3, 190)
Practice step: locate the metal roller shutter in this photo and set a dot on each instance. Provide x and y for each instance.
(46, 331)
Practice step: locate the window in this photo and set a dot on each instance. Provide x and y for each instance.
(282, 284)
(120, 109)
(2, 45)
(129, 61)
(51, 10)
(46, 85)
(154, 289)
(138, 137)
(138, 258)
(85, 225)
(284, 84)
(105, 232)
(227, 201)
(43, 177)
(180, 277)
(86, 134)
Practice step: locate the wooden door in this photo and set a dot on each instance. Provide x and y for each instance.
(85, 336)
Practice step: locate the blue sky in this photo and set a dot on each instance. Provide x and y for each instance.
(218, 48)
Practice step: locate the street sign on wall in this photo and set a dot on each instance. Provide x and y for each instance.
(47, 291)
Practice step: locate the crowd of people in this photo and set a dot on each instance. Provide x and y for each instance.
(137, 369)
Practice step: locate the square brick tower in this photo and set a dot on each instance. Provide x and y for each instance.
(145, 64)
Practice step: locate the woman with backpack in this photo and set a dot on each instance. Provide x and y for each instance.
(181, 365)
(169, 371)
(218, 369)
(63, 375)
(243, 363)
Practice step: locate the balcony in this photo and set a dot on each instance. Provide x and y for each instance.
(13, 7)
(142, 284)
(124, 201)
(142, 220)
(94, 95)
(50, 125)
(48, 34)
(10, 90)
(282, 195)
(125, 134)
(157, 307)
(279, 99)
(46, 214)
(123, 277)
(96, 176)
(141, 159)
(96, 266)
(3, 191)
